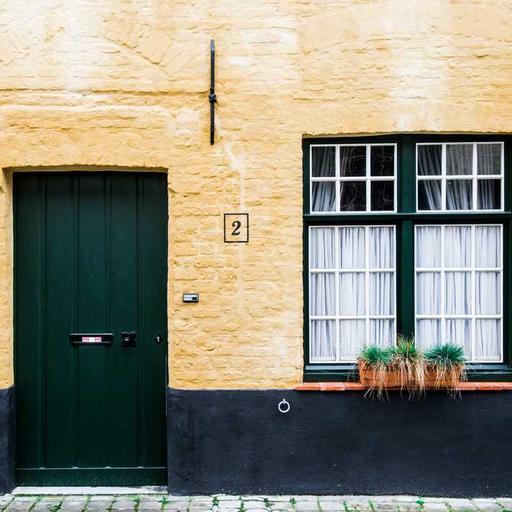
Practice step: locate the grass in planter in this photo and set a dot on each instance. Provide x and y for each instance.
(377, 356)
(379, 360)
(410, 362)
(448, 362)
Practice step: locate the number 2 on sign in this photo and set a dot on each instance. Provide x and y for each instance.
(237, 225)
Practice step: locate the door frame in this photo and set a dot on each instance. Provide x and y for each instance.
(86, 476)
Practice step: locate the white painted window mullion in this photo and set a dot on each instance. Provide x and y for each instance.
(337, 276)
(367, 282)
(473, 291)
(474, 180)
(443, 178)
(443, 286)
(337, 191)
(368, 180)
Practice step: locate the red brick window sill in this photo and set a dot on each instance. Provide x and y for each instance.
(356, 386)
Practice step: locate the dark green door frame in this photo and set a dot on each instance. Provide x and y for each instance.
(90, 252)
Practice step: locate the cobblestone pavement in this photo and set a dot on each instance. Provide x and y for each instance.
(224, 503)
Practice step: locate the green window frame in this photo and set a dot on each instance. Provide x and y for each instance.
(405, 218)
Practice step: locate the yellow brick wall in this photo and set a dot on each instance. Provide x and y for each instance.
(124, 83)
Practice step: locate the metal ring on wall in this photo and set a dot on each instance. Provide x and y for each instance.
(284, 406)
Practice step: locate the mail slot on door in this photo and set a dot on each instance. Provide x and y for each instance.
(91, 339)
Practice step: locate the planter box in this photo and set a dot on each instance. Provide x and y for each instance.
(432, 382)
(368, 377)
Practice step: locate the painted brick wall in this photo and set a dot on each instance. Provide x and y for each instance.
(124, 83)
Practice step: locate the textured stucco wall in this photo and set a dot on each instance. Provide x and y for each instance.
(124, 83)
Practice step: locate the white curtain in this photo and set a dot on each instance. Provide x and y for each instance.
(352, 247)
(323, 340)
(489, 159)
(440, 249)
(429, 164)
(352, 294)
(323, 193)
(323, 196)
(366, 260)
(352, 338)
(323, 294)
(489, 194)
(488, 340)
(430, 195)
(321, 248)
(459, 162)
(323, 165)
(459, 194)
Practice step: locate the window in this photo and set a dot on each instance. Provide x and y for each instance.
(352, 283)
(458, 288)
(460, 176)
(353, 178)
(405, 234)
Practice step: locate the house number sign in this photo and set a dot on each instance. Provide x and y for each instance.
(236, 228)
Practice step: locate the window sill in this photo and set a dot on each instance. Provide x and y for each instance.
(357, 386)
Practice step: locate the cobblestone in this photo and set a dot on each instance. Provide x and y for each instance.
(225, 503)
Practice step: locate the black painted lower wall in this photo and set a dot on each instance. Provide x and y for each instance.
(237, 442)
(7, 418)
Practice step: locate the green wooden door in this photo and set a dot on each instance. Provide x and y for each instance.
(90, 257)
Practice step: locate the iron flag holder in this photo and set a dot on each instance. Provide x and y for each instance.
(212, 97)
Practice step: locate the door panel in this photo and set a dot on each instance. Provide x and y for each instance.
(90, 257)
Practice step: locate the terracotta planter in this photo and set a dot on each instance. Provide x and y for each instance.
(433, 382)
(368, 377)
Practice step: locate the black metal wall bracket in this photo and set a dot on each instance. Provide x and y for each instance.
(212, 97)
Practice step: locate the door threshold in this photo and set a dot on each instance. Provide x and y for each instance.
(89, 491)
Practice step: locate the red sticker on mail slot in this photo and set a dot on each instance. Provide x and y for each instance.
(91, 339)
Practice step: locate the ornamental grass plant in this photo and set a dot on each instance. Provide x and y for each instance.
(407, 368)
(445, 365)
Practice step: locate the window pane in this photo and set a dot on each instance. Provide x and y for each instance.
(323, 340)
(382, 247)
(489, 194)
(428, 293)
(382, 160)
(352, 251)
(352, 161)
(488, 340)
(382, 332)
(428, 333)
(382, 293)
(490, 238)
(359, 286)
(352, 294)
(488, 293)
(322, 294)
(459, 159)
(352, 196)
(429, 159)
(429, 195)
(323, 162)
(428, 247)
(458, 332)
(458, 293)
(323, 197)
(321, 248)
(352, 338)
(489, 158)
(382, 195)
(457, 246)
(459, 195)
(453, 294)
